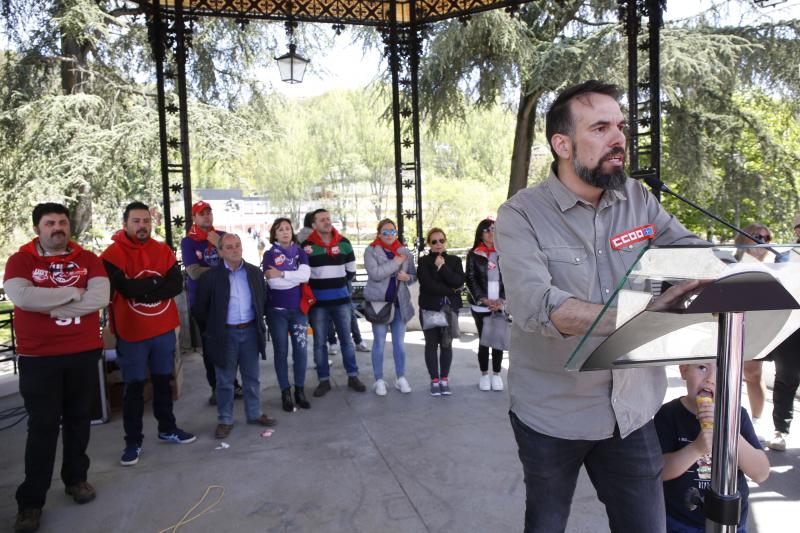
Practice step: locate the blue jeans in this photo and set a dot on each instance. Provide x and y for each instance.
(282, 324)
(341, 314)
(133, 359)
(241, 350)
(156, 353)
(626, 473)
(354, 330)
(398, 327)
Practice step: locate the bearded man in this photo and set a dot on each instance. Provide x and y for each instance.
(145, 278)
(561, 256)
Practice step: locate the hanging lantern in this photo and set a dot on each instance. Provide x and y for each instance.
(292, 66)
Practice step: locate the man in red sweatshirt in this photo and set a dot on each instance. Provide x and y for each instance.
(57, 288)
(145, 278)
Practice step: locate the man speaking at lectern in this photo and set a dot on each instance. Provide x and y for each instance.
(564, 245)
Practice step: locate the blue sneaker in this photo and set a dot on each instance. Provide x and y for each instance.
(131, 455)
(177, 436)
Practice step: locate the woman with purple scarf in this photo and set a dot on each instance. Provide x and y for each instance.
(285, 266)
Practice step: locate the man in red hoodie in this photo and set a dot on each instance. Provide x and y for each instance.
(145, 278)
(57, 289)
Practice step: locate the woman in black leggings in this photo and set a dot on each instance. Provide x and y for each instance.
(787, 378)
(486, 295)
(441, 277)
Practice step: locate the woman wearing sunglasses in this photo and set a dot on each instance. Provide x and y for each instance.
(441, 277)
(486, 295)
(390, 270)
(752, 370)
(285, 266)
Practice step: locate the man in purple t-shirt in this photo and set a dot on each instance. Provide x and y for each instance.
(199, 254)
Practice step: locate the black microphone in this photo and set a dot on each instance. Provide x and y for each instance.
(652, 180)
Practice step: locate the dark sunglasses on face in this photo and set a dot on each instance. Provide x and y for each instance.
(765, 238)
(434, 242)
(387, 232)
(489, 229)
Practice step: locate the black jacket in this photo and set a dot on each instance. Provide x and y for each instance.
(478, 278)
(211, 308)
(434, 284)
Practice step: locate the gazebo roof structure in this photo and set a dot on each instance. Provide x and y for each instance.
(353, 12)
(402, 24)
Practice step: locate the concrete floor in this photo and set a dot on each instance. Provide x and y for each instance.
(352, 463)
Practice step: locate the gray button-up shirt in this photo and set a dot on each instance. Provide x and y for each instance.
(554, 246)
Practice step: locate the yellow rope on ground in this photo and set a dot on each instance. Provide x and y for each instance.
(183, 521)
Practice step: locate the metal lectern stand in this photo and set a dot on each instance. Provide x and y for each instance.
(749, 310)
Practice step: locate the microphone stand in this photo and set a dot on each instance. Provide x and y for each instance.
(655, 183)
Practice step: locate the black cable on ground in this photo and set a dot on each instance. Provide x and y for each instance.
(13, 412)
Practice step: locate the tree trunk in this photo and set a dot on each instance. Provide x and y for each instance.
(523, 141)
(81, 216)
(74, 59)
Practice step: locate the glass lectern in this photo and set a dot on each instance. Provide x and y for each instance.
(687, 304)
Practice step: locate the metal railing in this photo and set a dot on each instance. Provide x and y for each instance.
(8, 344)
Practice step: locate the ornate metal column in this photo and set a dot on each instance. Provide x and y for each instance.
(403, 48)
(170, 38)
(644, 95)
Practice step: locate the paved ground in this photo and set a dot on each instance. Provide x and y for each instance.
(353, 463)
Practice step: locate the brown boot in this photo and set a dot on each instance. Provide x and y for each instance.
(223, 430)
(263, 420)
(81, 492)
(27, 520)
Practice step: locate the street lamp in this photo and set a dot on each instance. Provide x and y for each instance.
(292, 66)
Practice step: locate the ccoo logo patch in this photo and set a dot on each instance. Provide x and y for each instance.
(626, 238)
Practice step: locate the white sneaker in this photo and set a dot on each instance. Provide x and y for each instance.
(380, 387)
(362, 347)
(758, 428)
(333, 349)
(402, 385)
(497, 382)
(778, 442)
(485, 382)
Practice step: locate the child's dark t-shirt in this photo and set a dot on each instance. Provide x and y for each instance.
(678, 427)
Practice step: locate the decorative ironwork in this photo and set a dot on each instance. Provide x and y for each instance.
(644, 95)
(403, 50)
(170, 38)
(361, 12)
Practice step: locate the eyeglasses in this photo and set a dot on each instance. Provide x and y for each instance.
(490, 229)
(387, 232)
(437, 241)
(765, 238)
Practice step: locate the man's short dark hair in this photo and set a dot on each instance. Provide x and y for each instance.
(48, 208)
(559, 116)
(316, 212)
(134, 206)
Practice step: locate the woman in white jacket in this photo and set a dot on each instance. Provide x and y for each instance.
(390, 270)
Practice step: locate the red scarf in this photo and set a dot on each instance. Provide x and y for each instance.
(396, 245)
(196, 233)
(314, 238)
(484, 251)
